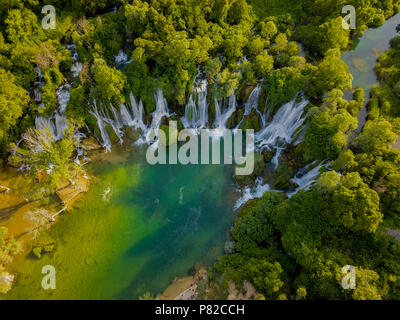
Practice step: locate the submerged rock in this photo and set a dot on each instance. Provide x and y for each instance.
(70, 190)
(131, 133)
(90, 144)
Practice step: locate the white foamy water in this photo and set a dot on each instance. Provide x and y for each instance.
(196, 114)
(252, 192)
(281, 129)
(306, 178)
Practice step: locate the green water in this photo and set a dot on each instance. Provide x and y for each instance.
(362, 59)
(156, 223)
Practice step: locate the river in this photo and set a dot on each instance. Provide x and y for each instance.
(139, 226)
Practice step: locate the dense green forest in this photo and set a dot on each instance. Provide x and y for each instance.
(286, 247)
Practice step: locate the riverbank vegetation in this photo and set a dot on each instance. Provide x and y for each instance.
(286, 247)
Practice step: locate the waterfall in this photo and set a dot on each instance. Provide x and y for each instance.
(79, 152)
(42, 123)
(196, 116)
(304, 179)
(250, 193)
(130, 116)
(125, 115)
(106, 143)
(38, 86)
(252, 103)
(76, 66)
(160, 112)
(137, 113)
(63, 97)
(282, 127)
(61, 125)
(253, 100)
(114, 122)
(133, 116)
(121, 59)
(222, 116)
(191, 118)
(57, 123)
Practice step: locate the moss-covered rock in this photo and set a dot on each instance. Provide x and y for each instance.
(113, 137)
(90, 144)
(131, 133)
(245, 91)
(268, 154)
(259, 164)
(251, 121)
(259, 167)
(244, 180)
(233, 120)
(283, 176)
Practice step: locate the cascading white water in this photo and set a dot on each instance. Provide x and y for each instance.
(250, 193)
(106, 142)
(253, 100)
(43, 123)
(76, 66)
(160, 112)
(121, 59)
(222, 115)
(79, 152)
(137, 113)
(114, 121)
(58, 122)
(130, 116)
(63, 97)
(282, 127)
(196, 116)
(305, 179)
(252, 103)
(190, 120)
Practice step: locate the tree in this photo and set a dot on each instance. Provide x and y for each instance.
(366, 285)
(328, 181)
(266, 276)
(281, 42)
(332, 35)
(21, 25)
(268, 30)
(8, 247)
(263, 63)
(109, 81)
(6, 281)
(355, 205)
(377, 135)
(332, 73)
(227, 82)
(48, 158)
(13, 99)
